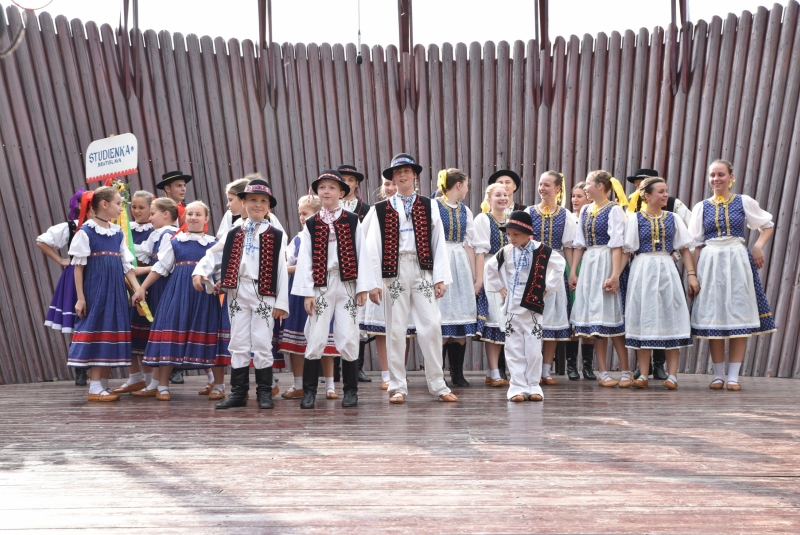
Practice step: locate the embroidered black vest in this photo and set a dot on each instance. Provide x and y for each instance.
(533, 296)
(345, 230)
(268, 251)
(362, 209)
(389, 220)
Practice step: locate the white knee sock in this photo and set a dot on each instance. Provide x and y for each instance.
(210, 376)
(135, 378)
(719, 370)
(153, 385)
(163, 388)
(385, 376)
(104, 382)
(95, 387)
(298, 383)
(147, 377)
(218, 388)
(733, 372)
(495, 373)
(546, 369)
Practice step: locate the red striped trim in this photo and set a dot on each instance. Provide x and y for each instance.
(520, 223)
(181, 337)
(104, 253)
(102, 336)
(186, 263)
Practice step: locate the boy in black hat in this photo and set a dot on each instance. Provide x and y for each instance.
(254, 274)
(673, 205)
(512, 182)
(522, 272)
(330, 276)
(173, 184)
(409, 254)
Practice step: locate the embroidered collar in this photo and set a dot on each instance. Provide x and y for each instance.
(110, 231)
(139, 227)
(350, 205)
(202, 239)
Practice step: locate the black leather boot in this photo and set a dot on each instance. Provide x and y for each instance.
(659, 359)
(240, 384)
(362, 377)
(456, 352)
(588, 362)
(176, 377)
(444, 357)
(80, 376)
(501, 364)
(337, 369)
(350, 379)
(572, 361)
(264, 388)
(310, 373)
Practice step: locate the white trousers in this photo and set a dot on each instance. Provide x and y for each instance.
(415, 298)
(337, 302)
(251, 326)
(523, 356)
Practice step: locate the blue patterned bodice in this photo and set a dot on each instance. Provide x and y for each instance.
(595, 227)
(157, 245)
(140, 236)
(190, 250)
(497, 239)
(549, 229)
(100, 242)
(656, 234)
(454, 221)
(724, 219)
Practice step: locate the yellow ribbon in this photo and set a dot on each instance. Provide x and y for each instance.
(633, 200)
(441, 180)
(485, 207)
(561, 198)
(619, 191)
(545, 210)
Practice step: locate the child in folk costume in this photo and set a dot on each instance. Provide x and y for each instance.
(353, 203)
(334, 278)
(102, 335)
(489, 239)
(731, 304)
(554, 226)
(291, 335)
(523, 272)
(141, 229)
(656, 313)
(408, 251)
(186, 326)
(597, 311)
(373, 322)
(512, 182)
(61, 313)
(458, 306)
(579, 200)
(253, 261)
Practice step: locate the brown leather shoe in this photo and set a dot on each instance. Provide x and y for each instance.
(331, 394)
(397, 399)
(607, 381)
(535, 397)
(625, 381)
(641, 382)
(716, 384)
(384, 385)
(207, 390)
(488, 381)
(216, 395)
(519, 398)
(670, 384)
(293, 393)
(449, 397)
(124, 389)
(163, 396)
(548, 381)
(499, 382)
(145, 393)
(733, 387)
(103, 397)
(275, 390)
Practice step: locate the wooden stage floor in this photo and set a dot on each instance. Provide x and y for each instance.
(587, 460)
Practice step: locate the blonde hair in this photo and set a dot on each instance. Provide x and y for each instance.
(202, 204)
(312, 201)
(146, 195)
(491, 188)
(236, 187)
(165, 204)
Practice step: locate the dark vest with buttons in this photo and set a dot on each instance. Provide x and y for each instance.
(533, 297)
(345, 229)
(389, 220)
(269, 248)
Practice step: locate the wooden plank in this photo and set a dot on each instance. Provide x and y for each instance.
(584, 108)
(436, 122)
(640, 82)
(627, 65)
(723, 84)
(395, 114)
(651, 97)
(571, 111)
(502, 93)
(193, 78)
(612, 101)
(329, 98)
(213, 99)
(321, 130)
(665, 113)
(343, 106)
(358, 157)
(531, 115)
(516, 133)
(419, 118)
(449, 128)
(740, 61)
(382, 89)
(489, 105)
(463, 123)
(231, 126)
(99, 90)
(476, 127)
(286, 179)
(542, 130)
(240, 104)
(371, 134)
(599, 71)
(298, 187)
(307, 113)
(557, 109)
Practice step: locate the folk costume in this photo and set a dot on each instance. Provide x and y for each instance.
(140, 326)
(656, 314)
(103, 336)
(731, 302)
(596, 312)
(253, 262)
(555, 229)
(406, 244)
(61, 313)
(528, 274)
(158, 240)
(489, 239)
(332, 270)
(186, 325)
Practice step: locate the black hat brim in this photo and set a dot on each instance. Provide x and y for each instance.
(505, 226)
(388, 173)
(343, 184)
(359, 176)
(185, 178)
(506, 172)
(272, 201)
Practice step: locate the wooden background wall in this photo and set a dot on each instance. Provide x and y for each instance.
(607, 103)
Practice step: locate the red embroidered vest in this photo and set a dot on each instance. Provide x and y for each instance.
(268, 251)
(533, 296)
(345, 230)
(389, 220)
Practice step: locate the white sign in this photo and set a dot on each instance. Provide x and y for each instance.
(112, 157)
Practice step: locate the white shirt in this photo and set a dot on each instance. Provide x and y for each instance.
(304, 275)
(755, 218)
(408, 244)
(481, 241)
(682, 239)
(160, 236)
(80, 250)
(616, 227)
(227, 223)
(141, 248)
(211, 265)
(56, 236)
(496, 279)
(166, 255)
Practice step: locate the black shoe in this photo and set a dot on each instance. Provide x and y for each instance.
(444, 357)
(240, 384)
(176, 377)
(636, 373)
(572, 361)
(659, 359)
(80, 376)
(350, 377)
(264, 388)
(310, 373)
(456, 352)
(501, 364)
(588, 363)
(362, 377)
(337, 369)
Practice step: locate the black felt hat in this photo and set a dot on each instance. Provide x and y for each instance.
(505, 172)
(519, 220)
(401, 160)
(172, 176)
(348, 169)
(261, 187)
(330, 174)
(640, 174)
